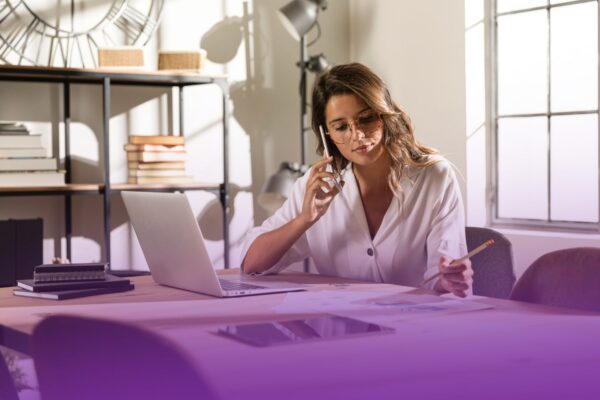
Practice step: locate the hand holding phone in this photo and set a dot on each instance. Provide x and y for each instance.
(326, 150)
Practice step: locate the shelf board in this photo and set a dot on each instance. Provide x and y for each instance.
(116, 76)
(157, 187)
(91, 188)
(74, 188)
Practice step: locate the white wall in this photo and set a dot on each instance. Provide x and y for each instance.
(418, 49)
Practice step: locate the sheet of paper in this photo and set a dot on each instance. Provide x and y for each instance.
(372, 306)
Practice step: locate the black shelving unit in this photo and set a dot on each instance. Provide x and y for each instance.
(70, 76)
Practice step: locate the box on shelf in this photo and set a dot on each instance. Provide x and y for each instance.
(193, 60)
(126, 56)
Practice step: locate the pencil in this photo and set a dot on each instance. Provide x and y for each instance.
(470, 254)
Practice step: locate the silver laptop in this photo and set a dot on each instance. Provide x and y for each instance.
(175, 251)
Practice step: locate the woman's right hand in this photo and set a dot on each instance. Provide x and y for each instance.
(319, 193)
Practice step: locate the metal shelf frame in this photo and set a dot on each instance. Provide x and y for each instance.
(107, 79)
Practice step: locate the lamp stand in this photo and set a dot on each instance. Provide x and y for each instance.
(303, 95)
(303, 113)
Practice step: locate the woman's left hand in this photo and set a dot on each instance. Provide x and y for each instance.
(456, 278)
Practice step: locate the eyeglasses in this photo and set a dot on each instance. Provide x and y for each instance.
(341, 131)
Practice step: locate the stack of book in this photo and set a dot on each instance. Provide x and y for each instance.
(68, 281)
(156, 159)
(23, 158)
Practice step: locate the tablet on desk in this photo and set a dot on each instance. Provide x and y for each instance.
(301, 330)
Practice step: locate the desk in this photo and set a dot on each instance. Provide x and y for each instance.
(512, 351)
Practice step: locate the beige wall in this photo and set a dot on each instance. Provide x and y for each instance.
(418, 48)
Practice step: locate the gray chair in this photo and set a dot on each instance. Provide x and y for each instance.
(93, 359)
(7, 385)
(563, 278)
(493, 267)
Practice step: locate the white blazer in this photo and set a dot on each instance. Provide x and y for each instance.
(426, 222)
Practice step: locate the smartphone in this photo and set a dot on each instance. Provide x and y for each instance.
(327, 154)
(327, 327)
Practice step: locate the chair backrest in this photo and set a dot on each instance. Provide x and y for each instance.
(84, 358)
(8, 391)
(563, 278)
(493, 267)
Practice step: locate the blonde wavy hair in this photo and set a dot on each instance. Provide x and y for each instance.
(398, 136)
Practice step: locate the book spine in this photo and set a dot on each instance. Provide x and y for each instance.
(135, 165)
(29, 236)
(33, 152)
(153, 147)
(20, 141)
(156, 172)
(147, 156)
(167, 140)
(160, 179)
(28, 164)
(68, 276)
(7, 254)
(70, 267)
(54, 287)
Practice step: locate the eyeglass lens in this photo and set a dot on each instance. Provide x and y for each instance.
(341, 131)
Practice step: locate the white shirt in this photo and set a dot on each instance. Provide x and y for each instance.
(417, 229)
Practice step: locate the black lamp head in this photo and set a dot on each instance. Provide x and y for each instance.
(317, 64)
(299, 16)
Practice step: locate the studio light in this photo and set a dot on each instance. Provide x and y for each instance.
(299, 16)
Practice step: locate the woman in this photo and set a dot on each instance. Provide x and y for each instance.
(399, 216)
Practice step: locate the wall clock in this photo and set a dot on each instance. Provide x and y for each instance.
(68, 33)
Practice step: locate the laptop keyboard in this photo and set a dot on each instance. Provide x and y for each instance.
(234, 285)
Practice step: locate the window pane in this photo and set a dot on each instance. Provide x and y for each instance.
(523, 63)
(523, 168)
(574, 168)
(475, 77)
(474, 12)
(574, 57)
(511, 5)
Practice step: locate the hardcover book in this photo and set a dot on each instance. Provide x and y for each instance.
(139, 173)
(20, 141)
(134, 165)
(72, 294)
(69, 272)
(110, 281)
(25, 152)
(32, 178)
(155, 156)
(166, 140)
(28, 164)
(160, 179)
(153, 147)
(13, 128)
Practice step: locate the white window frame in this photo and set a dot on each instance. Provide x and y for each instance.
(493, 117)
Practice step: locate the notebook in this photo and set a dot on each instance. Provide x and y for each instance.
(72, 294)
(110, 281)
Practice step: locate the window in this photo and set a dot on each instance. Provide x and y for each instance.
(545, 113)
